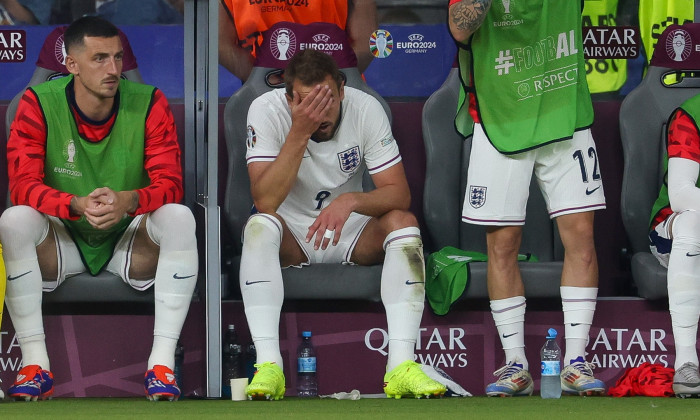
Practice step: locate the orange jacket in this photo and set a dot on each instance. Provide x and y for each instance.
(253, 17)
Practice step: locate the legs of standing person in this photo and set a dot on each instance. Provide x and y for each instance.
(267, 245)
(507, 300)
(684, 300)
(394, 238)
(497, 191)
(579, 291)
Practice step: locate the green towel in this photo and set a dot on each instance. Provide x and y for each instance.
(447, 275)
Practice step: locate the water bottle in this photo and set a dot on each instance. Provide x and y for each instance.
(307, 385)
(250, 360)
(179, 361)
(550, 387)
(232, 363)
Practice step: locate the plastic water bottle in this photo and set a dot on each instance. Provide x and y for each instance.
(179, 361)
(250, 359)
(550, 386)
(307, 385)
(232, 360)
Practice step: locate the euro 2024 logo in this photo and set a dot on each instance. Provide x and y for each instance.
(381, 43)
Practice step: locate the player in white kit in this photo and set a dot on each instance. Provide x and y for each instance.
(308, 147)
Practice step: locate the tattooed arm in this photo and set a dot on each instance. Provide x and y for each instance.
(466, 16)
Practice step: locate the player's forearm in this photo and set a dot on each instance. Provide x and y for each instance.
(380, 201)
(361, 23)
(236, 60)
(466, 16)
(273, 185)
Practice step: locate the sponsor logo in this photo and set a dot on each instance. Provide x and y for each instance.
(283, 44)
(601, 42)
(176, 277)
(508, 17)
(477, 196)
(251, 139)
(409, 282)
(387, 141)
(687, 254)
(69, 154)
(509, 335)
(444, 348)
(321, 42)
(679, 44)
(10, 278)
(589, 192)
(13, 46)
(59, 50)
(381, 43)
(69, 172)
(416, 44)
(349, 159)
(248, 283)
(623, 348)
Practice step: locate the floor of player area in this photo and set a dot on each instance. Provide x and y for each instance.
(293, 408)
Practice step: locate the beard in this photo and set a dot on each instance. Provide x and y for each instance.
(323, 134)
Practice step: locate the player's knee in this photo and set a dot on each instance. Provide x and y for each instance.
(407, 238)
(22, 223)
(686, 229)
(262, 228)
(180, 216)
(398, 219)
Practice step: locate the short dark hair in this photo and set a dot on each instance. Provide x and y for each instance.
(88, 26)
(310, 67)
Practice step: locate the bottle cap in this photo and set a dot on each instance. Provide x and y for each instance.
(551, 333)
(306, 334)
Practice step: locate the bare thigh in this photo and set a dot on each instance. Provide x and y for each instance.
(144, 254)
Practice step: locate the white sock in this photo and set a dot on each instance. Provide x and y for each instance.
(261, 284)
(403, 292)
(172, 227)
(21, 229)
(509, 317)
(684, 286)
(578, 304)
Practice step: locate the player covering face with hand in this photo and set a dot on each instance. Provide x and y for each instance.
(308, 147)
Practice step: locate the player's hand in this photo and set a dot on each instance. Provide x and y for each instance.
(107, 207)
(331, 219)
(308, 113)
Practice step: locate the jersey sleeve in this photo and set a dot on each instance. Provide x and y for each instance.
(381, 150)
(683, 137)
(26, 152)
(265, 131)
(161, 158)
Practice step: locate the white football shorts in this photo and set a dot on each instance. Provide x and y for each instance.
(339, 253)
(70, 262)
(498, 185)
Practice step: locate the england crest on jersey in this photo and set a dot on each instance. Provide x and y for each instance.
(477, 196)
(349, 159)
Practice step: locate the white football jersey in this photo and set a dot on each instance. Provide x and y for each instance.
(363, 140)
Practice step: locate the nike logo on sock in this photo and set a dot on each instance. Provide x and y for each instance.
(509, 335)
(176, 277)
(409, 282)
(688, 254)
(575, 324)
(248, 283)
(10, 278)
(589, 192)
